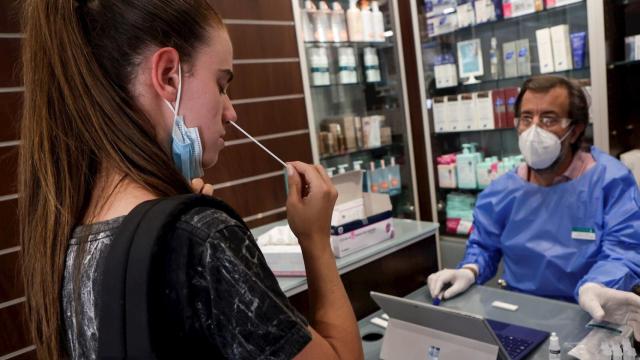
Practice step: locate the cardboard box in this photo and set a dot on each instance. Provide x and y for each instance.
(374, 227)
(515, 8)
(385, 135)
(545, 52)
(453, 118)
(509, 59)
(483, 110)
(561, 45)
(466, 15)
(349, 130)
(524, 57)
(440, 114)
(465, 112)
(510, 95)
(371, 131)
(499, 107)
(442, 24)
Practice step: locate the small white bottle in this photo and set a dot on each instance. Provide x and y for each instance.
(319, 67)
(347, 66)
(323, 31)
(371, 65)
(493, 58)
(354, 22)
(367, 21)
(330, 171)
(342, 168)
(338, 23)
(554, 347)
(308, 18)
(378, 22)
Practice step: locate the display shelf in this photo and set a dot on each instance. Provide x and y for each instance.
(532, 17)
(382, 148)
(486, 85)
(357, 44)
(623, 64)
(445, 133)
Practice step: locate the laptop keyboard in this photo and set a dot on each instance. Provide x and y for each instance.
(513, 345)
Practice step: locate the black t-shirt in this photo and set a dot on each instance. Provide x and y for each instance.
(216, 297)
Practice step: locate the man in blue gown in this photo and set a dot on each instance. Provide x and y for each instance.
(566, 223)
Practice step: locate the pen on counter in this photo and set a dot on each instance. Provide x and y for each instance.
(438, 298)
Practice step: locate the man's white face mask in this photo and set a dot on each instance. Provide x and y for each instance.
(540, 147)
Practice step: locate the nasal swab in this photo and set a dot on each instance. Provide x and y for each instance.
(258, 143)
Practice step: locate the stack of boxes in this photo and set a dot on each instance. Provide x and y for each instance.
(349, 133)
(484, 110)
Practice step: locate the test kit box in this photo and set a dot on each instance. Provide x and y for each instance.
(371, 131)
(545, 51)
(561, 45)
(487, 10)
(483, 110)
(524, 57)
(446, 75)
(374, 226)
(555, 3)
(509, 59)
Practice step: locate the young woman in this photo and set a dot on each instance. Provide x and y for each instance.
(125, 101)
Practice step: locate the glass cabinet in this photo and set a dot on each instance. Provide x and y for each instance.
(355, 89)
(475, 54)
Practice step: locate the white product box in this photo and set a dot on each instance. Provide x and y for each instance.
(632, 47)
(465, 112)
(485, 11)
(561, 47)
(446, 75)
(453, 118)
(284, 260)
(514, 8)
(524, 58)
(510, 59)
(374, 227)
(483, 110)
(545, 52)
(555, 3)
(371, 131)
(440, 114)
(447, 176)
(466, 15)
(442, 24)
(438, 7)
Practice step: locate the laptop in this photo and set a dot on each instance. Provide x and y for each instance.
(451, 332)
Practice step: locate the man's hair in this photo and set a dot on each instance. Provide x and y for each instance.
(578, 102)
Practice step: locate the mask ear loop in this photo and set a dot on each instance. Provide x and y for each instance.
(179, 96)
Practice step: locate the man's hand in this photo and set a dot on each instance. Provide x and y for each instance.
(605, 304)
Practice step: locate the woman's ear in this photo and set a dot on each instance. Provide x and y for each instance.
(165, 73)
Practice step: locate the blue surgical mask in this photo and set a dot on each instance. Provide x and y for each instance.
(186, 147)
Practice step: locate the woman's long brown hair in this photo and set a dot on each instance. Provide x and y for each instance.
(79, 58)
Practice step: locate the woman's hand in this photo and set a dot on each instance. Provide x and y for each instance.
(199, 187)
(310, 203)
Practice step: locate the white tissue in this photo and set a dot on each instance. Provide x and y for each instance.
(279, 235)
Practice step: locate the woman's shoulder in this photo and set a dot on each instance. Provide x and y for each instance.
(205, 222)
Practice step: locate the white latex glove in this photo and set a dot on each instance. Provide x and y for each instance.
(605, 304)
(460, 279)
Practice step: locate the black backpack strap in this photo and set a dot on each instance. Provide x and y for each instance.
(124, 328)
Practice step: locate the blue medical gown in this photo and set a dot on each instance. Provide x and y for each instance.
(530, 227)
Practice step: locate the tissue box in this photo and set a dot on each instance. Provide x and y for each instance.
(376, 224)
(284, 260)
